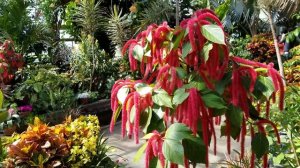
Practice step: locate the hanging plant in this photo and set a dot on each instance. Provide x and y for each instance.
(188, 85)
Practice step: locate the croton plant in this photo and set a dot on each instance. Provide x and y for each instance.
(189, 84)
(10, 61)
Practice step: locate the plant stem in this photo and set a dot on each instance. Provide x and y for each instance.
(294, 149)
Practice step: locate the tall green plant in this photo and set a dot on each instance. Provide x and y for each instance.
(187, 83)
(89, 16)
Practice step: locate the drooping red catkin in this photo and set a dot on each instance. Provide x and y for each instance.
(186, 163)
(265, 121)
(194, 113)
(154, 149)
(265, 161)
(212, 129)
(174, 165)
(136, 117)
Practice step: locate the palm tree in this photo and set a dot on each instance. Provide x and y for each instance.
(283, 8)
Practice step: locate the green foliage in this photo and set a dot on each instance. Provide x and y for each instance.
(85, 134)
(117, 28)
(46, 89)
(75, 143)
(104, 69)
(288, 153)
(19, 25)
(238, 47)
(89, 16)
(295, 51)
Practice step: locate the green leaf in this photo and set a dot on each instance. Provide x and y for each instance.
(172, 147)
(148, 136)
(222, 9)
(149, 112)
(206, 50)
(177, 40)
(181, 72)
(117, 113)
(178, 131)
(132, 114)
(213, 33)
(3, 116)
(140, 152)
(260, 145)
(213, 101)
(235, 115)
(138, 52)
(179, 96)
(143, 89)
(187, 47)
(265, 85)
(122, 94)
(277, 160)
(194, 150)
(1, 99)
(195, 84)
(162, 99)
(173, 151)
(37, 87)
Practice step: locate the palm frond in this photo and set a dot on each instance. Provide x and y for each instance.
(117, 27)
(156, 12)
(89, 16)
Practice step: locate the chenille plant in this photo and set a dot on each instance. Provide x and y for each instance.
(188, 84)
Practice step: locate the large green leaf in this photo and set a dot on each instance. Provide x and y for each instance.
(173, 151)
(213, 33)
(179, 96)
(140, 152)
(235, 115)
(181, 72)
(178, 131)
(143, 89)
(194, 150)
(187, 47)
(122, 94)
(260, 145)
(222, 9)
(1, 99)
(138, 52)
(177, 40)
(213, 100)
(173, 148)
(206, 49)
(162, 98)
(199, 85)
(265, 85)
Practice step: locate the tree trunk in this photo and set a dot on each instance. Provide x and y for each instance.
(177, 12)
(280, 65)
